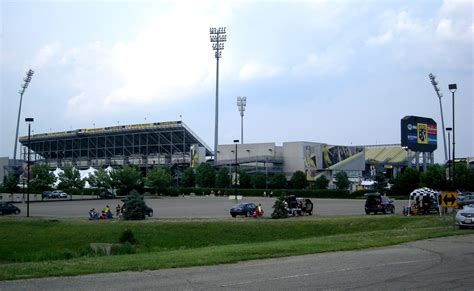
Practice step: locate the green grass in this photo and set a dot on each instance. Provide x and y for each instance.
(40, 247)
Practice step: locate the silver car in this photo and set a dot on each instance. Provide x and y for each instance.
(465, 217)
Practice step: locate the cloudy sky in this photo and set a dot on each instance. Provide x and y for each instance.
(337, 72)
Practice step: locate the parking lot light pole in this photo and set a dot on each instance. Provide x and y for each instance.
(450, 177)
(241, 103)
(453, 88)
(236, 141)
(29, 120)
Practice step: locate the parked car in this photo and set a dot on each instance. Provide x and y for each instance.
(106, 195)
(377, 202)
(58, 194)
(465, 198)
(8, 208)
(299, 206)
(465, 217)
(46, 194)
(243, 209)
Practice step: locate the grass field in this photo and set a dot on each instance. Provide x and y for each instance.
(42, 247)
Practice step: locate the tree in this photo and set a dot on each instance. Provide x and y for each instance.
(342, 181)
(100, 179)
(259, 180)
(223, 178)
(463, 177)
(321, 182)
(188, 178)
(205, 175)
(407, 181)
(11, 184)
(434, 177)
(278, 181)
(127, 179)
(41, 178)
(381, 183)
(298, 180)
(245, 180)
(134, 206)
(279, 208)
(158, 179)
(70, 178)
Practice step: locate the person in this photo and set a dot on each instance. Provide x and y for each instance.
(93, 215)
(259, 210)
(118, 210)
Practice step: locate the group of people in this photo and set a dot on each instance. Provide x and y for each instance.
(106, 213)
(258, 211)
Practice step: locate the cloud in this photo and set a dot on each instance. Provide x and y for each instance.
(256, 70)
(46, 54)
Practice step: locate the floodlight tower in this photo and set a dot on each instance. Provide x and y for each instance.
(435, 85)
(218, 37)
(241, 103)
(27, 80)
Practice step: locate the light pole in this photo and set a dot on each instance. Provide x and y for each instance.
(453, 88)
(218, 37)
(448, 129)
(435, 86)
(236, 141)
(29, 120)
(241, 103)
(27, 80)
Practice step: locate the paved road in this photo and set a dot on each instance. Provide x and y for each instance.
(192, 207)
(435, 264)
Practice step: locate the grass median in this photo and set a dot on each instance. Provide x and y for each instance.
(41, 247)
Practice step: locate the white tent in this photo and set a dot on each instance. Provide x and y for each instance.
(85, 174)
(56, 174)
(420, 192)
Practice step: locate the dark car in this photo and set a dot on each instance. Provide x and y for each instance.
(377, 202)
(8, 208)
(46, 194)
(106, 195)
(465, 198)
(243, 209)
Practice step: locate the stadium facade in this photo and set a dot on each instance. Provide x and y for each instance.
(144, 145)
(173, 143)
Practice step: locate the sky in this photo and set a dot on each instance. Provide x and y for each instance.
(336, 72)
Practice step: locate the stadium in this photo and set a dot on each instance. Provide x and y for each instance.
(145, 145)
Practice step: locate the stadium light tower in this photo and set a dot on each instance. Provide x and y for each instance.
(435, 86)
(241, 103)
(27, 80)
(218, 37)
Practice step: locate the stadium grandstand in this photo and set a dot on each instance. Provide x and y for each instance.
(144, 145)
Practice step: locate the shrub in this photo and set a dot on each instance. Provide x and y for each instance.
(127, 236)
(279, 208)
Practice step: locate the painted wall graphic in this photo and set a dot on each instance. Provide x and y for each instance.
(194, 155)
(419, 134)
(335, 154)
(310, 162)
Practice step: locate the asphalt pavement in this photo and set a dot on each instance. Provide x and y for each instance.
(434, 264)
(191, 207)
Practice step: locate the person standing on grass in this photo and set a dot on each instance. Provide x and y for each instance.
(118, 210)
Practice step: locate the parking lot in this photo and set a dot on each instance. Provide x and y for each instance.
(191, 207)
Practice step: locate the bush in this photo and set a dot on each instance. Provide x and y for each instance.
(279, 208)
(127, 236)
(123, 249)
(134, 207)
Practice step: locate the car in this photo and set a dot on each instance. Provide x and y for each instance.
(58, 194)
(465, 217)
(465, 198)
(377, 202)
(299, 206)
(148, 211)
(46, 194)
(243, 208)
(8, 208)
(106, 195)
